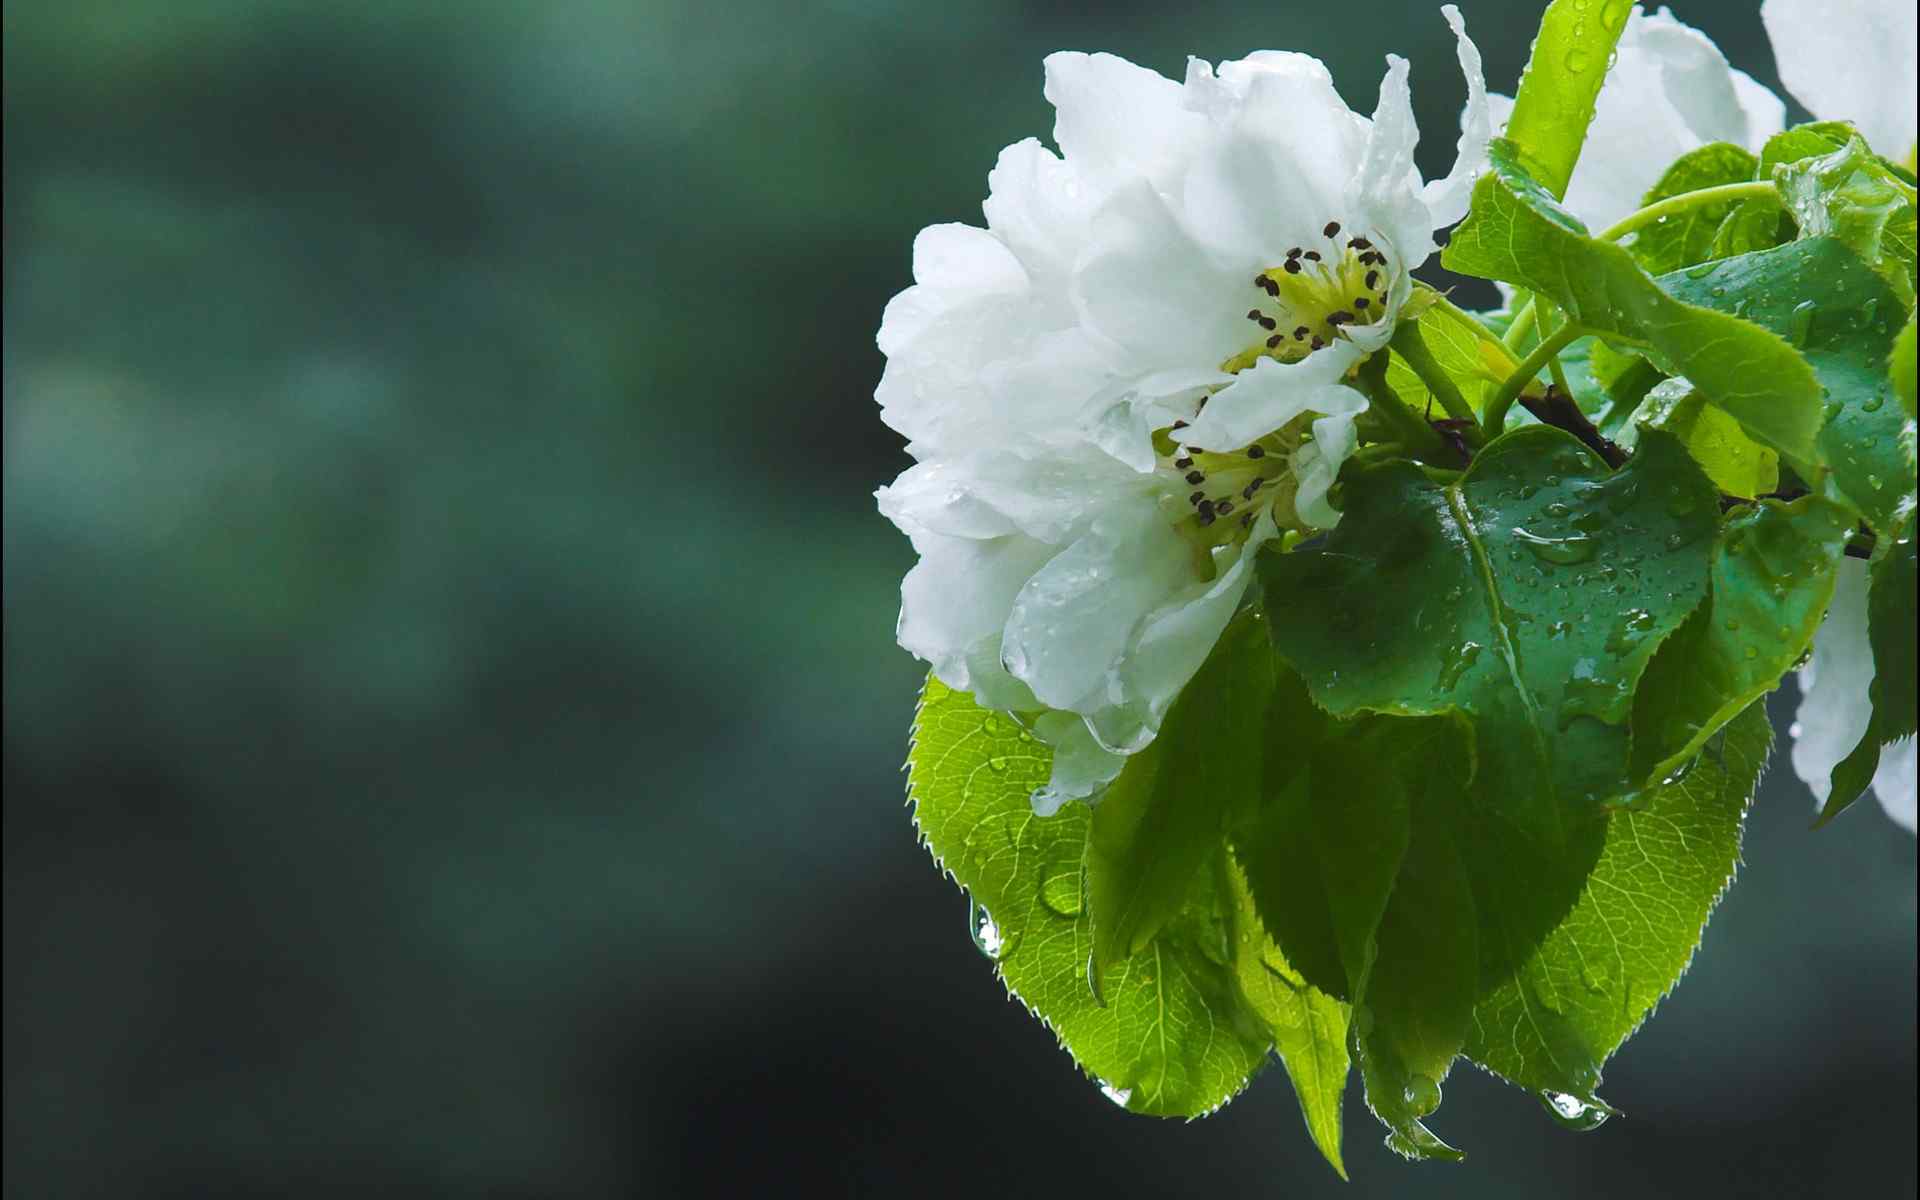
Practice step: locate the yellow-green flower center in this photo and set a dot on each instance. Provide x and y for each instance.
(1315, 295)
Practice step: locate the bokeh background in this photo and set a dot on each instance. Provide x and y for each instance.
(452, 720)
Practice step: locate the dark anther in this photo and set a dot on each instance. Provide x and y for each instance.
(1361, 302)
(1360, 244)
(1256, 451)
(1248, 491)
(1268, 323)
(1373, 279)
(1293, 266)
(1196, 498)
(1296, 252)
(1318, 342)
(1339, 318)
(1332, 228)
(1224, 507)
(1253, 314)
(1179, 424)
(1301, 333)
(1196, 478)
(1246, 519)
(1313, 255)
(1206, 510)
(1273, 343)
(1182, 463)
(1206, 519)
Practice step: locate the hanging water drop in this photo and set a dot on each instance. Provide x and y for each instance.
(1800, 322)
(1422, 1095)
(1118, 1095)
(1573, 1113)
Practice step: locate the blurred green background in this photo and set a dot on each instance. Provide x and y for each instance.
(452, 719)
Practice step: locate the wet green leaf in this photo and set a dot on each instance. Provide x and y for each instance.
(1688, 237)
(1527, 597)
(1851, 196)
(1173, 1034)
(1309, 1027)
(1822, 297)
(1166, 814)
(1738, 465)
(1773, 576)
(1554, 103)
(1517, 233)
(1900, 367)
(1550, 1024)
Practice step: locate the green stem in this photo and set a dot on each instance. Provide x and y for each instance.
(1495, 418)
(1681, 203)
(1522, 322)
(1419, 437)
(1553, 364)
(1377, 451)
(1440, 474)
(1412, 349)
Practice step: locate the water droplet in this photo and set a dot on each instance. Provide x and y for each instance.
(1118, 1095)
(1800, 322)
(1622, 498)
(1632, 629)
(1558, 509)
(1591, 520)
(1873, 403)
(997, 764)
(1559, 629)
(1456, 663)
(1733, 626)
(1578, 60)
(1680, 772)
(1682, 502)
(1061, 892)
(1573, 1113)
(1594, 975)
(986, 935)
(1422, 1095)
(1561, 551)
(1093, 982)
(1702, 271)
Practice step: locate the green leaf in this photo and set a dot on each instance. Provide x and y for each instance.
(1416, 1004)
(1309, 1027)
(1662, 866)
(1773, 577)
(1173, 1035)
(1688, 237)
(1561, 82)
(1517, 233)
(1466, 351)
(1342, 881)
(1890, 632)
(1900, 367)
(1738, 465)
(1851, 196)
(1496, 597)
(1823, 298)
(1166, 814)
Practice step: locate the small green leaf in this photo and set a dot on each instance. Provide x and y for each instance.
(1517, 233)
(1173, 1037)
(1527, 597)
(1823, 298)
(1471, 357)
(1738, 465)
(1890, 632)
(1166, 815)
(1561, 82)
(1851, 196)
(1772, 580)
(1687, 238)
(1308, 1026)
(1662, 866)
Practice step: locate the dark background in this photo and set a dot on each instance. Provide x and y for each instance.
(452, 719)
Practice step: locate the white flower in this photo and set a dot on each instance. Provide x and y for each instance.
(1850, 60)
(1834, 708)
(1134, 376)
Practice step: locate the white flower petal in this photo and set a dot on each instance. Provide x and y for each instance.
(1038, 206)
(1082, 767)
(960, 258)
(1268, 395)
(1850, 60)
(1076, 617)
(1049, 493)
(1835, 708)
(1114, 118)
(954, 604)
(1385, 185)
(1147, 287)
(1446, 198)
(1317, 464)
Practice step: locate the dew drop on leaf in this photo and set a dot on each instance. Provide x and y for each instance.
(1118, 1095)
(1060, 891)
(1570, 1112)
(985, 934)
(1422, 1095)
(1560, 551)
(1800, 322)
